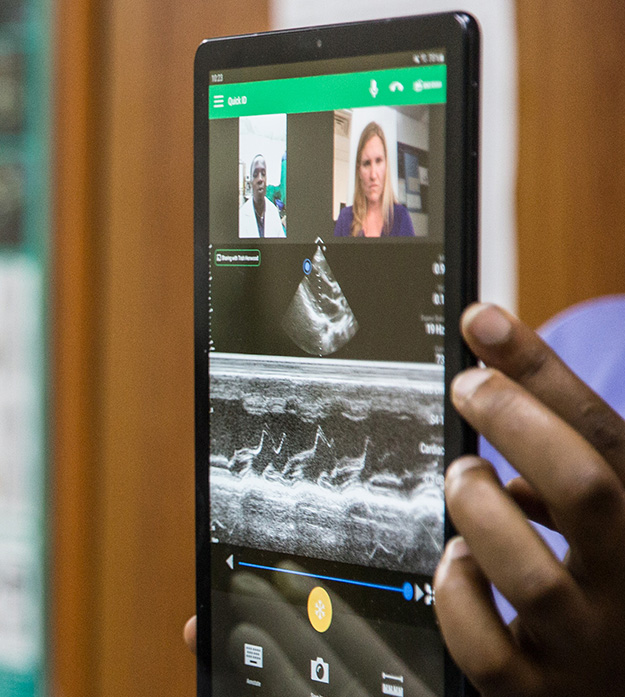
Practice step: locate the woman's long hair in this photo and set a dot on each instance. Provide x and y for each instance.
(360, 200)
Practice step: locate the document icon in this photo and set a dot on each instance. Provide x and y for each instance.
(388, 688)
(253, 655)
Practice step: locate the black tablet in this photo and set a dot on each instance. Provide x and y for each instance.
(335, 248)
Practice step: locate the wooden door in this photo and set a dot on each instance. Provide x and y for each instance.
(123, 482)
(571, 185)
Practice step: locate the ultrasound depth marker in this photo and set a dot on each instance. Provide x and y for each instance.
(406, 589)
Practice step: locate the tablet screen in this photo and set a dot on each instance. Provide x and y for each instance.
(326, 372)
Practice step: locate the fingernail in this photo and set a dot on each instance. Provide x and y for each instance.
(487, 323)
(457, 548)
(465, 384)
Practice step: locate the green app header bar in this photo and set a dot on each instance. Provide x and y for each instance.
(394, 87)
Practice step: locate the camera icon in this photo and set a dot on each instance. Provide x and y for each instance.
(319, 670)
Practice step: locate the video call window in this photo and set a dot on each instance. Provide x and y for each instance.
(262, 176)
(377, 152)
(362, 163)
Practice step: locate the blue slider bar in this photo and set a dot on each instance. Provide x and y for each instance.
(406, 590)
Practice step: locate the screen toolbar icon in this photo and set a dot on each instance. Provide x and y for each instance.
(319, 609)
(319, 670)
(253, 655)
(392, 685)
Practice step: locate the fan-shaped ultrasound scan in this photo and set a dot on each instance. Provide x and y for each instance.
(319, 319)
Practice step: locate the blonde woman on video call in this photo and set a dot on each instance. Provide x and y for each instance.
(376, 212)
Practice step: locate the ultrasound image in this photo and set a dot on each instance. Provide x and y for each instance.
(319, 319)
(331, 459)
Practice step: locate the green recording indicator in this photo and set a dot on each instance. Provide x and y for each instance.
(394, 87)
(237, 257)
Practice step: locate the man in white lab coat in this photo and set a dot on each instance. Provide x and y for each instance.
(258, 216)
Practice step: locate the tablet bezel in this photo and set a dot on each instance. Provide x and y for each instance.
(458, 33)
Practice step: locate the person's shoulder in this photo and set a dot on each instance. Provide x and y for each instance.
(401, 211)
(588, 337)
(273, 224)
(344, 222)
(244, 212)
(402, 222)
(347, 213)
(587, 320)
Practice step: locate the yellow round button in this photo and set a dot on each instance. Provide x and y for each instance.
(319, 609)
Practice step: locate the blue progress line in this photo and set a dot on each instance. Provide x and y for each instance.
(394, 589)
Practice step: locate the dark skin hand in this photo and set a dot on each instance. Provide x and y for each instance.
(190, 634)
(568, 639)
(569, 447)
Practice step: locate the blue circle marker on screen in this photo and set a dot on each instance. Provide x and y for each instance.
(307, 266)
(408, 591)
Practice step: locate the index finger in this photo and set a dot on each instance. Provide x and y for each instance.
(503, 342)
(582, 493)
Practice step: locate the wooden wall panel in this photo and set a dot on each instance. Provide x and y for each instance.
(571, 186)
(123, 482)
(147, 496)
(74, 334)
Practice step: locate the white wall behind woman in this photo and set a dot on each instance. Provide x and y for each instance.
(498, 281)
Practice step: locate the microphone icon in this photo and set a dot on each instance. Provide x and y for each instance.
(373, 88)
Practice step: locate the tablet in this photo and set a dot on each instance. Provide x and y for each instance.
(335, 248)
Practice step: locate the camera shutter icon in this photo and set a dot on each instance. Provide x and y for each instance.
(319, 670)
